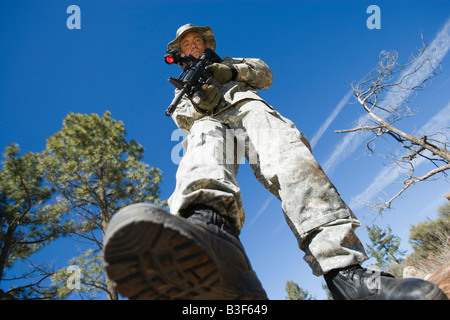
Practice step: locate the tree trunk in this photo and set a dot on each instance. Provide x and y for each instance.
(111, 292)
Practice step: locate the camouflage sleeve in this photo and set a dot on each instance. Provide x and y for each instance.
(254, 72)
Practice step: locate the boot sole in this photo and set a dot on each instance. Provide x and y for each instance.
(148, 257)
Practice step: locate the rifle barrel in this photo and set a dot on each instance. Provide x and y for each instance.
(175, 102)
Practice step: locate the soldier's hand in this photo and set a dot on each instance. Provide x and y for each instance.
(221, 72)
(211, 98)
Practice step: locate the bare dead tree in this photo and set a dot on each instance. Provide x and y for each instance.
(385, 95)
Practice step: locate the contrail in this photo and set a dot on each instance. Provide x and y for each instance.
(388, 175)
(261, 210)
(439, 48)
(330, 119)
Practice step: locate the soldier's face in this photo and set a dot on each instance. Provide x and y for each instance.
(192, 43)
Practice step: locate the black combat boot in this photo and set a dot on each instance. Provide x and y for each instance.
(357, 283)
(152, 254)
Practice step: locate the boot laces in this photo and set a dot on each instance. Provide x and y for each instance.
(370, 277)
(353, 271)
(210, 217)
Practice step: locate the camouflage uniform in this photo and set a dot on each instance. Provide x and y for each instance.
(281, 159)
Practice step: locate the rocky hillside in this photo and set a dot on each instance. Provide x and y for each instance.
(442, 278)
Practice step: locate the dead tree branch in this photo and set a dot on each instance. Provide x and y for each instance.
(385, 95)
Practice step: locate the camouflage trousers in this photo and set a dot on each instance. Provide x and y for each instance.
(281, 159)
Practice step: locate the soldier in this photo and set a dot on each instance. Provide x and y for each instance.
(195, 252)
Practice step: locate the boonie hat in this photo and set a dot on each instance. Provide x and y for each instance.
(205, 32)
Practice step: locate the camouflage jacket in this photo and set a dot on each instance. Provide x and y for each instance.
(253, 74)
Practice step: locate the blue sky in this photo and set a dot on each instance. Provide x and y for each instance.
(314, 48)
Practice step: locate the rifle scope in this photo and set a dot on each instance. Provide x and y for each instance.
(172, 56)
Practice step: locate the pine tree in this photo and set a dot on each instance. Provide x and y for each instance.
(431, 236)
(26, 222)
(95, 172)
(327, 291)
(384, 247)
(295, 292)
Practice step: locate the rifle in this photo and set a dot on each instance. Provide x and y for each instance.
(193, 77)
